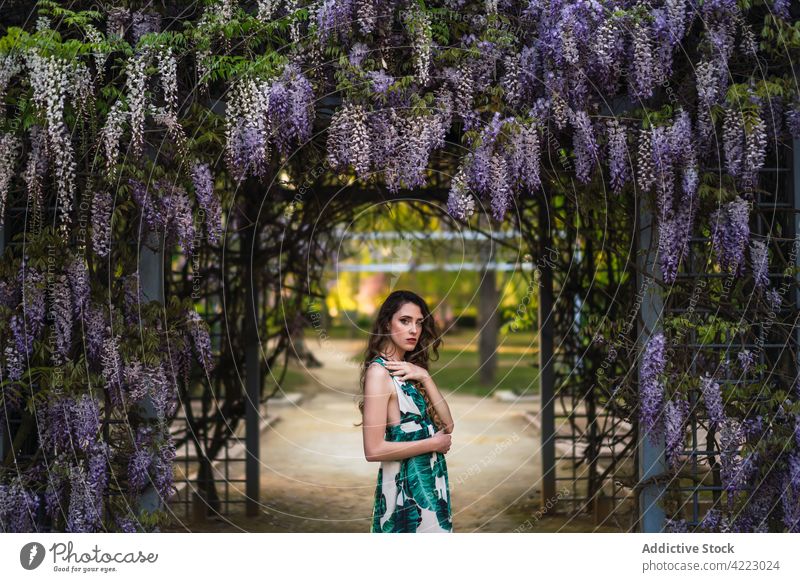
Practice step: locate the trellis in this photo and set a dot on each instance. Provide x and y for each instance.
(502, 97)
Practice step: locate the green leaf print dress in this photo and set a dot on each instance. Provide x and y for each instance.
(413, 494)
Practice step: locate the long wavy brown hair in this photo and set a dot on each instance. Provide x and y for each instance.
(429, 342)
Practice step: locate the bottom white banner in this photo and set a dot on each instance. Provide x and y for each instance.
(369, 557)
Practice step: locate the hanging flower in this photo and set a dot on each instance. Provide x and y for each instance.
(101, 223)
(247, 128)
(585, 146)
(204, 191)
(18, 507)
(136, 94)
(62, 310)
(419, 24)
(746, 360)
(36, 168)
(730, 235)
(733, 141)
(618, 154)
(713, 400)
(644, 158)
(201, 339)
(460, 203)
(675, 414)
(651, 389)
(49, 77)
(642, 80)
(525, 156)
(9, 150)
(333, 17)
(366, 15)
(760, 262)
(144, 23)
(112, 369)
(348, 139)
(792, 116)
(755, 152)
(500, 189)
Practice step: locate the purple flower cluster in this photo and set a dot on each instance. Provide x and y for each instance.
(760, 262)
(733, 141)
(618, 155)
(88, 481)
(291, 109)
(730, 235)
(584, 145)
(349, 139)
(651, 388)
(676, 411)
(151, 462)
(168, 210)
(746, 360)
(62, 310)
(208, 201)
(663, 150)
(201, 340)
(712, 396)
(333, 18)
(141, 380)
(101, 222)
(70, 424)
(112, 369)
(460, 202)
(733, 471)
(28, 325)
(525, 156)
(793, 121)
(18, 507)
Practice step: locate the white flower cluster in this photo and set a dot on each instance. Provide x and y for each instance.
(168, 68)
(100, 57)
(247, 126)
(461, 202)
(81, 87)
(365, 15)
(111, 135)
(9, 66)
(348, 139)
(266, 8)
(419, 24)
(50, 77)
(645, 166)
(136, 84)
(35, 172)
(167, 115)
(9, 149)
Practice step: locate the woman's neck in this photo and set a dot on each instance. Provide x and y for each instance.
(397, 355)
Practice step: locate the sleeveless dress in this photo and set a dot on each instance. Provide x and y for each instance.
(412, 494)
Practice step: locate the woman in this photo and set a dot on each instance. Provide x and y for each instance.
(407, 423)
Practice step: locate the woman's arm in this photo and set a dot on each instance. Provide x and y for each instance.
(378, 387)
(439, 403)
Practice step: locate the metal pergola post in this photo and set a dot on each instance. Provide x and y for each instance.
(252, 372)
(151, 281)
(5, 442)
(546, 374)
(796, 241)
(652, 464)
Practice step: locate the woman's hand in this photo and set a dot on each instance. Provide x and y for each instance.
(407, 371)
(441, 442)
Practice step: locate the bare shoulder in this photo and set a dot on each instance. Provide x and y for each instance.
(377, 380)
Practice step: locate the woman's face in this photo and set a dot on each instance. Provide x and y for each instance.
(406, 327)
